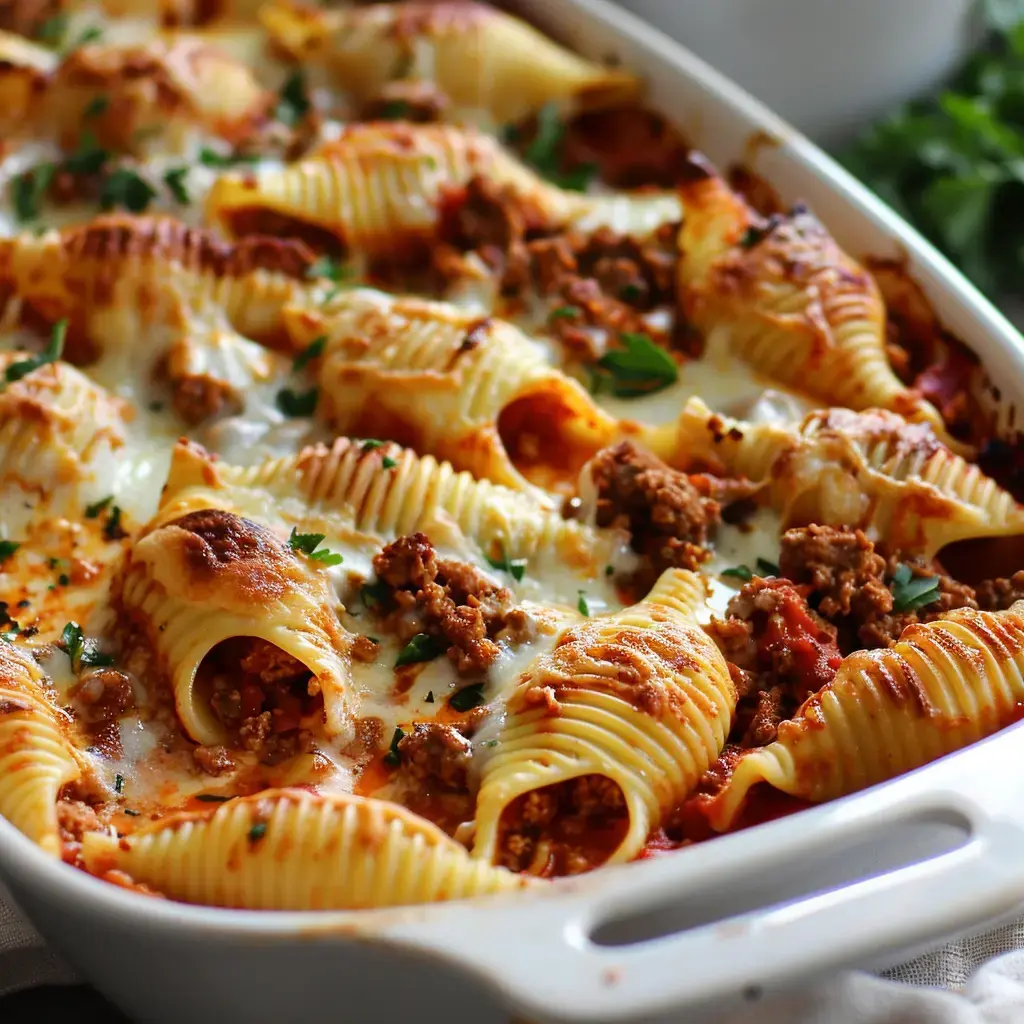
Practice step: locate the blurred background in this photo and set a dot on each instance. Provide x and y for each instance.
(921, 99)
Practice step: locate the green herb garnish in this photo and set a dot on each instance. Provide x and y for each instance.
(97, 107)
(52, 31)
(388, 463)
(545, 151)
(257, 832)
(307, 543)
(639, 368)
(582, 604)
(297, 403)
(50, 354)
(211, 158)
(88, 158)
(370, 444)
(752, 236)
(327, 266)
(312, 351)
(293, 104)
(174, 179)
(429, 699)
(740, 572)
(112, 528)
(564, 313)
(28, 189)
(374, 594)
(393, 758)
(124, 187)
(422, 647)
(394, 110)
(515, 567)
(212, 798)
(118, 783)
(467, 698)
(92, 511)
(766, 568)
(79, 650)
(7, 548)
(910, 592)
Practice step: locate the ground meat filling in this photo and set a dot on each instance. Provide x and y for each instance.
(855, 588)
(779, 651)
(999, 594)
(260, 695)
(450, 601)
(670, 516)
(564, 829)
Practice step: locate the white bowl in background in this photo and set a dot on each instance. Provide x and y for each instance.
(827, 66)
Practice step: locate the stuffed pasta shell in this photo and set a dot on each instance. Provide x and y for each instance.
(604, 735)
(483, 61)
(379, 190)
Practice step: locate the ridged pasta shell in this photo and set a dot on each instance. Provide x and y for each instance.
(25, 69)
(57, 429)
(790, 302)
(943, 685)
(482, 59)
(642, 697)
(142, 271)
(475, 391)
(198, 578)
(295, 850)
(871, 469)
(36, 758)
(378, 190)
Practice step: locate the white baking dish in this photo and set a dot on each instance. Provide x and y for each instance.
(861, 881)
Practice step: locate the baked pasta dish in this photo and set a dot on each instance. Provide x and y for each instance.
(424, 476)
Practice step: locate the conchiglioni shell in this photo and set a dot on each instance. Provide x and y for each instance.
(870, 469)
(943, 685)
(378, 190)
(295, 850)
(185, 606)
(36, 757)
(791, 303)
(483, 60)
(474, 391)
(595, 674)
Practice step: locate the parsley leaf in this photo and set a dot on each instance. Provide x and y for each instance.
(740, 572)
(212, 798)
(125, 188)
(388, 463)
(582, 605)
(312, 351)
(373, 595)
(545, 151)
(297, 403)
(307, 543)
(370, 444)
(467, 698)
(639, 368)
(118, 783)
(564, 313)
(766, 568)
(751, 237)
(52, 31)
(422, 647)
(7, 548)
(393, 758)
(394, 110)
(79, 650)
(910, 592)
(211, 158)
(50, 354)
(112, 528)
(515, 567)
(97, 107)
(257, 831)
(294, 103)
(28, 189)
(92, 511)
(327, 266)
(429, 699)
(88, 158)
(174, 179)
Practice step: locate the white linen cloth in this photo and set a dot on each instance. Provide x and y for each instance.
(976, 981)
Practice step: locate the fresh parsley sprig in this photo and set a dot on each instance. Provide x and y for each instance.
(308, 544)
(638, 368)
(910, 592)
(53, 351)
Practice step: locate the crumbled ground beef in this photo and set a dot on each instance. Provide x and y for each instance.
(407, 99)
(101, 696)
(214, 760)
(436, 756)
(563, 829)
(260, 694)
(449, 600)
(781, 652)
(999, 594)
(670, 515)
(364, 648)
(197, 399)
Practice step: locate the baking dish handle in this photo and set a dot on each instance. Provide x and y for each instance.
(570, 957)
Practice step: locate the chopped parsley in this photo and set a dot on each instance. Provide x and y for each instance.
(53, 30)
(257, 831)
(766, 568)
(7, 548)
(79, 650)
(112, 528)
(394, 110)
(370, 444)
(97, 107)
(467, 698)
(910, 592)
(293, 104)
(752, 236)
(212, 798)
(388, 463)
(91, 35)
(545, 152)
(393, 758)
(93, 511)
(564, 313)
(118, 783)
(327, 266)
(307, 543)
(515, 567)
(739, 572)
(88, 158)
(582, 604)
(129, 811)
(639, 368)
(609, 570)
(422, 647)
(374, 594)
(50, 354)
(174, 179)
(429, 699)
(123, 187)
(297, 403)
(28, 189)
(312, 351)
(63, 579)
(211, 158)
